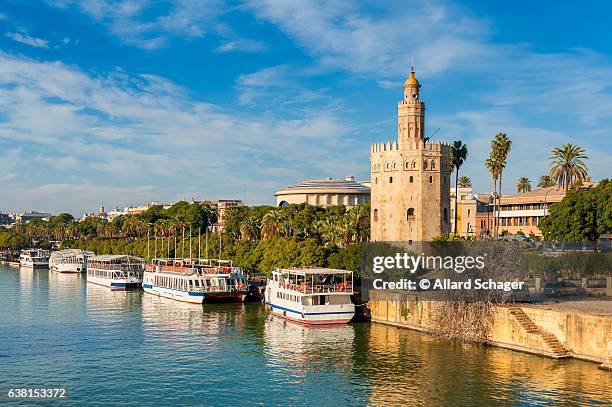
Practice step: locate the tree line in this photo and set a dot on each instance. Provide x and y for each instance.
(256, 237)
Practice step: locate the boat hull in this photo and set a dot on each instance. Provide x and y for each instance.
(68, 268)
(314, 318)
(177, 295)
(234, 296)
(34, 264)
(115, 284)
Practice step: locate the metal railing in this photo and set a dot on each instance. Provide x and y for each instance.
(319, 288)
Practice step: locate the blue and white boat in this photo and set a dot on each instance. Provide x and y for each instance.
(195, 280)
(116, 271)
(178, 282)
(314, 296)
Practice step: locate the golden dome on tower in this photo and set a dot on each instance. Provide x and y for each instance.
(412, 80)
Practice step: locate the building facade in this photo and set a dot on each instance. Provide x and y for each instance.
(523, 212)
(410, 178)
(325, 192)
(475, 214)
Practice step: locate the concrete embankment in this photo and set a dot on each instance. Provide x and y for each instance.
(535, 329)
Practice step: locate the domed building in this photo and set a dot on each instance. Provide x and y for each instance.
(325, 192)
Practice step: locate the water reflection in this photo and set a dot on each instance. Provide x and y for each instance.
(406, 365)
(307, 348)
(118, 346)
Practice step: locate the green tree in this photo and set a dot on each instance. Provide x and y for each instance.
(582, 215)
(545, 181)
(464, 182)
(458, 154)
(272, 224)
(567, 165)
(249, 229)
(523, 185)
(500, 148)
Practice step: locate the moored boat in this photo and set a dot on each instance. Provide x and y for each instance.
(115, 271)
(169, 278)
(69, 260)
(34, 258)
(316, 296)
(223, 281)
(196, 280)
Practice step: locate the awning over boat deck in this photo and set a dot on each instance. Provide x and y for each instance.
(304, 271)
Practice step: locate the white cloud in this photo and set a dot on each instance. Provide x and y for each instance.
(149, 24)
(243, 45)
(28, 40)
(347, 36)
(120, 131)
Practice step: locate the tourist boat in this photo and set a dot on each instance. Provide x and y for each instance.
(195, 281)
(70, 260)
(10, 257)
(34, 258)
(317, 296)
(223, 281)
(115, 271)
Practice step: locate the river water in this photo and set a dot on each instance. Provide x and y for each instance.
(111, 347)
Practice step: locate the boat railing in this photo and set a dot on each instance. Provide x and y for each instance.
(304, 288)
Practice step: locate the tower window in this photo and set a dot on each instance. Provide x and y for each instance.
(376, 181)
(433, 164)
(407, 165)
(375, 215)
(390, 180)
(445, 214)
(430, 179)
(411, 179)
(410, 214)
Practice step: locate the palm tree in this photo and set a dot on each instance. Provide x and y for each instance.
(523, 185)
(272, 224)
(359, 219)
(500, 148)
(465, 182)
(458, 154)
(494, 168)
(545, 181)
(567, 166)
(249, 229)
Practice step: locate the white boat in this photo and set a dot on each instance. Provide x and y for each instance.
(70, 260)
(195, 281)
(317, 296)
(34, 258)
(115, 271)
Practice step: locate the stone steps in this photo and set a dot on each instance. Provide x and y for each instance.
(555, 347)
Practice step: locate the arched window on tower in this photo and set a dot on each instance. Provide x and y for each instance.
(375, 215)
(425, 164)
(414, 165)
(410, 214)
(433, 164)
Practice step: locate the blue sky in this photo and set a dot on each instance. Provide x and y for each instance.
(128, 101)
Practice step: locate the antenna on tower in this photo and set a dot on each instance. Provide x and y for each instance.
(412, 63)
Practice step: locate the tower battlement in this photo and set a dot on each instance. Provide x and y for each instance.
(409, 145)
